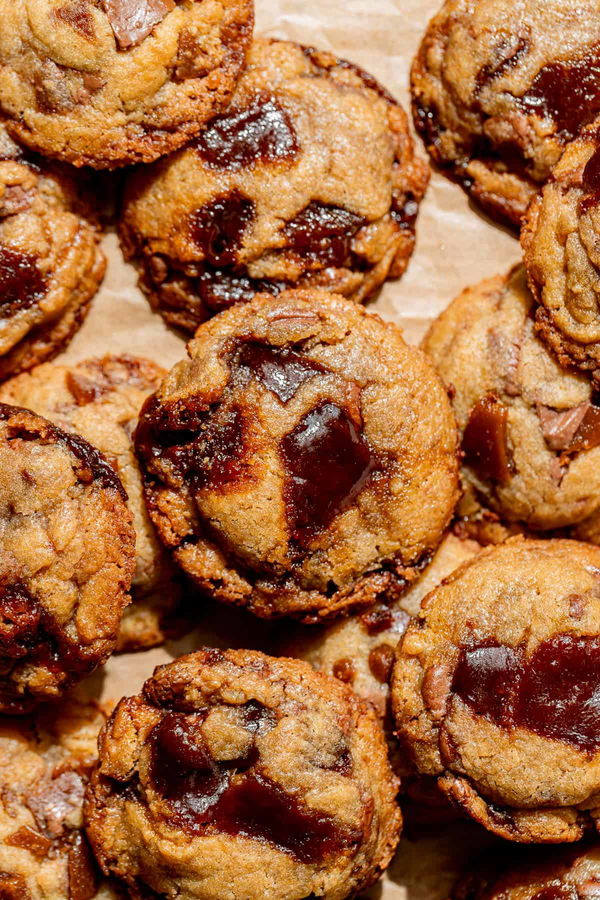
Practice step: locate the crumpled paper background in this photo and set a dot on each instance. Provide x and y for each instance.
(456, 246)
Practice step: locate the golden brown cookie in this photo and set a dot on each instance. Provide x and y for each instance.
(530, 430)
(235, 774)
(302, 461)
(67, 549)
(309, 179)
(50, 262)
(100, 399)
(45, 762)
(496, 689)
(500, 86)
(560, 238)
(114, 82)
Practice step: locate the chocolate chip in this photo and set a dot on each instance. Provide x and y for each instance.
(343, 669)
(32, 841)
(83, 880)
(324, 233)
(133, 20)
(560, 426)
(485, 440)
(22, 285)
(217, 229)
(20, 619)
(281, 370)
(377, 619)
(13, 887)
(381, 662)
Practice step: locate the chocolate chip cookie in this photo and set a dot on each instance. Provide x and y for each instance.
(67, 549)
(560, 238)
(499, 88)
(309, 179)
(100, 399)
(235, 774)
(496, 689)
(530, 430)
(45, 761)
(50, 262)
(302, 461)
(113, 82)
(564, 874)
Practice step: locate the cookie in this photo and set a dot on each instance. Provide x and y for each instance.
(45, 762)
(67, 549)
(302, 461)
(568, 872)
(310, 179)
(359, 650)
(530, 430)
(496, 684)
(236, 774)
(560, 243)
(50, 262)
(100, 399)
(114, 82)
(499, 87)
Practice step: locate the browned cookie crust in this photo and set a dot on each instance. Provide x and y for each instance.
(309, 179)
(45, 762)
(100, 399)
(66, 558)
(496, 689)
(235, 774)
(530, 430)
(569, 873)
(303, 460)
(500, 86)
(50, 262)
(105, 83)
(560, 238)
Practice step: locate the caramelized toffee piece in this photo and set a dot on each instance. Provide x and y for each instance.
(285, 462)
(50, 262)
(251, 207)
(114, 82)
(66, 558)
(45, 761)
(560, 240)
(496, 689)
(271, 778)
(100, 399)
(530, 429)
(497, 94)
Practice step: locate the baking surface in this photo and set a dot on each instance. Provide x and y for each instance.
(456, 246)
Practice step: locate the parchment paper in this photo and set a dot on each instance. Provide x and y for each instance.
(456, 246)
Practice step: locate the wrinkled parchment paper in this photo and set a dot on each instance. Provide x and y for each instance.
(456, 246)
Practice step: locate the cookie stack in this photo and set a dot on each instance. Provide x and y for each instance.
(420, 527)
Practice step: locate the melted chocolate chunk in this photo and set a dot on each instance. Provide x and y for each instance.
(27, 838)
(573, 430)
(22, 285)
(13, 887)
(78, 16)
(133, 20)
(557, 892)
(507, 54)
(83, 880)
(485, 440)
(219, 289)
(217, 229)
(93, 466)
(327, 462)
(554, 693)
(567, 92)
(281, 370)
(262, 132)
(591, 182)
(324, 234)
(381, 662)
(257, 808)
(20, 620)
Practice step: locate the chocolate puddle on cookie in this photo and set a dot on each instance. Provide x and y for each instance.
(554, 692)
(281, 370)
(22, 285)
(211, 796)
(324, 233)
(327, 462)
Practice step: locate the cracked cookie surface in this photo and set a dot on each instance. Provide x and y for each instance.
(310, 179)
(530, 430)
(560, 238)
(496, 684)
(45, 762)
(499, 90)
(67, 549)
(106, 83)
(302, 461)
(235, 774)
(50, 262)
(100, 399)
